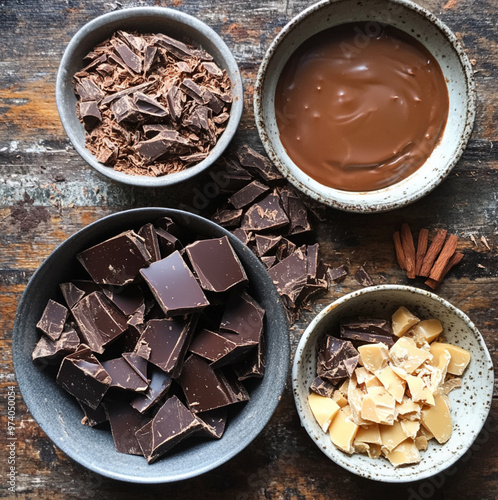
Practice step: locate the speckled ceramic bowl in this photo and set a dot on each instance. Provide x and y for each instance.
(470, 404)
(58, 413)
(173, 23)
(422, 25)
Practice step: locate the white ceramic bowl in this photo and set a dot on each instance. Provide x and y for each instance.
(173, 23)
(470, 404)
(419, 23)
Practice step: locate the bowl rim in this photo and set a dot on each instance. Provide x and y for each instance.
(272, 390)
(347, 200)
(328, 309)
(166, 13)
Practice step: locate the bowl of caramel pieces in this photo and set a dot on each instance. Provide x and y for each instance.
(149, 96)
(392, 383)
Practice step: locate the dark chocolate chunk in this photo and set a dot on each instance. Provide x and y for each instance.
(258, 164)
(254, 364)
(132, 60)
(82, 375)
(53, 319)
(130, 90)
(123, 376)
(298, 216)
(244, 317)
(149, 107)
(138, 364)
(323, 387)
(88, 90)
(150, 54)
(233, 177)
(135, 42)
(285, 248)
(368, 330)
(174, 99)
(125, 422)
(71, 293)
(337, 359)
(168, 340)
(168, 243)
(128, 299)
(337, 273)
(206, 388)
(93, 417)
(171, 424)
(265, 244)
(290, 275)
(244, 236)
(90, 114)
(152, 129)
(215, 422)
(99, 320)
(192, 90)
(217, 348)
(148, 233)
(163, 144)
(312, 261)
(216, 264)
(116, 261)
(269, 261)
(211, 68)
(175, 47)
(159, 385)
(125, 109)
(362, 277)
(198, 119)
(51, 352)
(248, 194)
(227, 218)
(174, 286)
(265, 214)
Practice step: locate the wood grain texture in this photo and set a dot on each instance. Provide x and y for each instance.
(37, 160)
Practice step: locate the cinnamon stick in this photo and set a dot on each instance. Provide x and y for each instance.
(423, 240)
(454, 260)
(444, 257)
(433, 252)
(408, 249)
(400, 254)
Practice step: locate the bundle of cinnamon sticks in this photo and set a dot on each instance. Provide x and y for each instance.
(429, 261)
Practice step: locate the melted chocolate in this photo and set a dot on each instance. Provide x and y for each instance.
(361, 109)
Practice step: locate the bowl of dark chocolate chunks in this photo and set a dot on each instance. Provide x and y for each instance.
(149, 96)
(151, 346)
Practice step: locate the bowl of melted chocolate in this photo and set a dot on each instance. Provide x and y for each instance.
(365, 107)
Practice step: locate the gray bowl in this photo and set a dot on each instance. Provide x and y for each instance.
(470, 405)
(58, 413)
(146, 20)
(417, 22)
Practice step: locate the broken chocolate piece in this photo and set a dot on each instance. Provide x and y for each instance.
(128, 299)
(82, 375)
(362, 277)
(215, 422)
(216, 264)
(168, 340)
(71, 293)
(244, 317)
(337, 359)
(51, 352)
(167, 242)
(248, 194)
(174, 286)
(290, 275)
(265, 244)
(171, 424)
(261, 166)
(93, 417)
(125, 422)
(254, 364)
(148, 233)
(337, 273)
(116, 261)
(123, 376)
(265, 214)
(166, 143)
(90, 114)
(228, 218)
(129, 57)
(244, 236)
(53, 319)
(206, 388)
(159, 385)
(323, 387)
(88, 90)
(138, 364)
(99, 320)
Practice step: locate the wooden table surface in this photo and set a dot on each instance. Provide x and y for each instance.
(47, 193)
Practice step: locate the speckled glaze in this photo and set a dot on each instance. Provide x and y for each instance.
(58, 413)
(470, 404)
(146, 20)
(426, 28)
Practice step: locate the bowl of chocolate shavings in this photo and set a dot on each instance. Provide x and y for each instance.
(149, 96)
